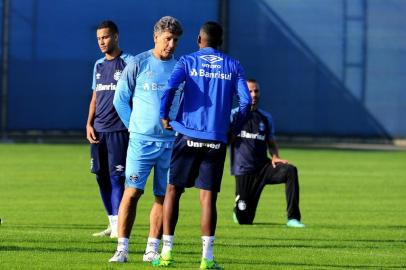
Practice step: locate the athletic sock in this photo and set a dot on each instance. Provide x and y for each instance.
(152, 245)
(208, 244)
(122, 244)
(167, 243)
(113, 223)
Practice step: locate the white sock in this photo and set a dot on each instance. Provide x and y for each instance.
(152, 245)
(167, 243)
(122, 244)
(113, 223)
(208, 244)
(110, 217)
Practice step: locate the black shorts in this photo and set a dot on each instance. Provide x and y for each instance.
(109, 155)
(197, 162)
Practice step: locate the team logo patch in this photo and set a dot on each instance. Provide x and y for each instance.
(149, 74)
(211, 58)
(119, 168)
(117, 75)
(134, 177)
(242, 205)
(261, 126)
(98, 75)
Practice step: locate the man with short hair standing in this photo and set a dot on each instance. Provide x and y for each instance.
(211, 80)
(106, 133)
(137, 101)
(253, 169)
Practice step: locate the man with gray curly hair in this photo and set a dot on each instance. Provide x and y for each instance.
(137, 100)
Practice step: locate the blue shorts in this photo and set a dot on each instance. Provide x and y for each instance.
(142, 156)
(198, 163)
(108, 156)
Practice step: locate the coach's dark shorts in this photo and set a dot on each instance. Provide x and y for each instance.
(197, 162)
(108, 156)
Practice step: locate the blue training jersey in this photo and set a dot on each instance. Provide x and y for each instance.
(211, 80)
(138, 96)
(106, 73)
(249, 150)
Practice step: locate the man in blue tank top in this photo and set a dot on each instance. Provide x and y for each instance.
(137, 101)
(211, 80)
(253, 169)
(106, 133)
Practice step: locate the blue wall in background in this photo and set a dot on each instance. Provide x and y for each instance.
(53, 48)
(293, 47)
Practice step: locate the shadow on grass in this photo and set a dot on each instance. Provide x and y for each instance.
(66, 226)
(310, 265)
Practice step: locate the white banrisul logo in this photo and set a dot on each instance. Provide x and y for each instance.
(153, 86)
(211, 75)
(255, 136)
(211, 58)
(98, 75)
(117, 75)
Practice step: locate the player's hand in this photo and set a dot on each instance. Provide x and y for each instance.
(90, 135)
(276, 160)
(165, 124)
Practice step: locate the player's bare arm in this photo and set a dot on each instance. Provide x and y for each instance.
(90, 134)
(274, 151)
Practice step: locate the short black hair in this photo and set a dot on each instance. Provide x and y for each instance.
(110, 25)
(214, 33)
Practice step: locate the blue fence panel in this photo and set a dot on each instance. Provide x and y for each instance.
(294, 49)
(53, 49)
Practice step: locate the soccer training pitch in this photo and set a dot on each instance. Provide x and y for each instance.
(353, 204)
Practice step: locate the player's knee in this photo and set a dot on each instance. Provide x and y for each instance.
(173, 191)
(292, 171)
(132, 194)
(117, 180)
(243, 213)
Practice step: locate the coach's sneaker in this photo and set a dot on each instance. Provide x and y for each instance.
(294, 223)
(119, 257)
(210, 264)
(150, 256)
(164, 260)
(103, 233)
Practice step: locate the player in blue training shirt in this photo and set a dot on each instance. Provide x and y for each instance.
(106, 133)
(137, 101)
(211, 79)
(253, 169)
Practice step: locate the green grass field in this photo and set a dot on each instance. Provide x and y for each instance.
(353, 203)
